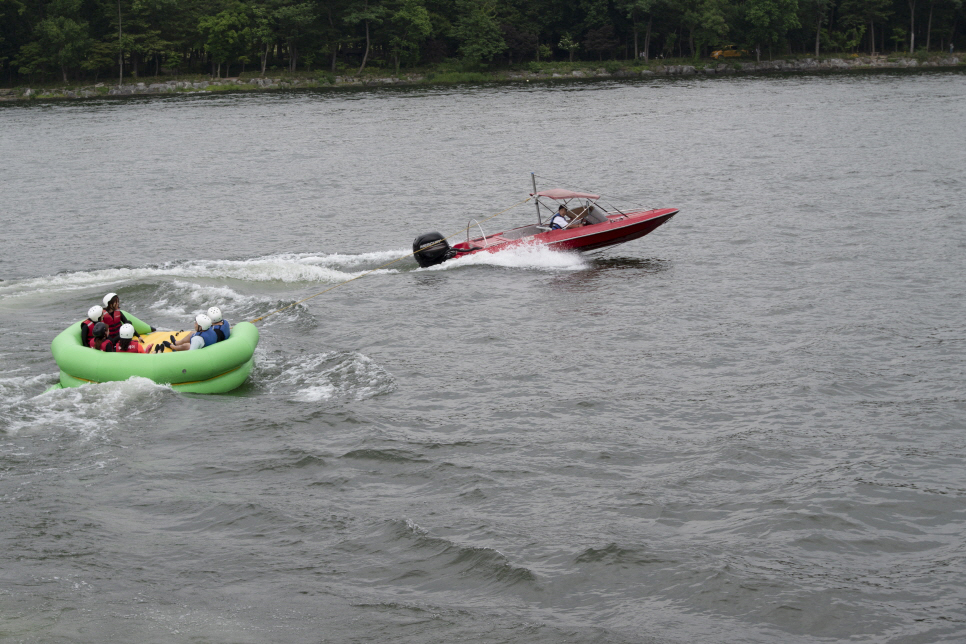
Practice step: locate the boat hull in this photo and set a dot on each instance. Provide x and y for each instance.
(617, 230)
(590, 238)
(212, 370)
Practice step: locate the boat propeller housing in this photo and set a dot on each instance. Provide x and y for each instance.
(431, 248)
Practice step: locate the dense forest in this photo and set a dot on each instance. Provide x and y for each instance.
(74, 40)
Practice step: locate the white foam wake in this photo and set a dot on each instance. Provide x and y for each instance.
(184, 299)
(526, 256)
(337, 259)
(322, 376)
(77, 410)
(288, 268)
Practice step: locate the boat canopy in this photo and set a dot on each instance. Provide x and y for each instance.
(562, 195)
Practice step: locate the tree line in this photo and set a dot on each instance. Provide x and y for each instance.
(73, 40)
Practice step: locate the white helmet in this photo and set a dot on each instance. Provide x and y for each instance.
(215, 314)
(203, 321)
(127, 331)
(94, 313)
(108, 298)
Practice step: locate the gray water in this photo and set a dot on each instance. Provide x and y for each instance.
(746, 427)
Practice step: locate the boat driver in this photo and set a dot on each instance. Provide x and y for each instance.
(561, 219)
(583, 216)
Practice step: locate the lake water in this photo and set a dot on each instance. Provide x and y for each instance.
(748, 426)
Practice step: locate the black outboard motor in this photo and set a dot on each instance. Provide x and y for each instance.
(431, 249)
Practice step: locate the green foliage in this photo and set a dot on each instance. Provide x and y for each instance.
(898, 36)
(568, 44)
(845, 39)
(857, 15)
(707, 22)
(262, 26)
(46, 40)
(362, 12)
(368, 15)
(601, 40)
(61, 41)
(596, 13)
(521, 41)
(410, 25)
(770, 20)
(227, 34)
(100, 55)
(294, 22)
(477, 31)
(637, 9)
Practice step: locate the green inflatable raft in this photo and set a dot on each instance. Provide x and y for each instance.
(211, 370)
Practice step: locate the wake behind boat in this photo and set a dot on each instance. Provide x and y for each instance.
(585, 226)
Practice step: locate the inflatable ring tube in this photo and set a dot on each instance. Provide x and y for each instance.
(211, 370)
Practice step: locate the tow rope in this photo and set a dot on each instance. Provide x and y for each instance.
(390, 263)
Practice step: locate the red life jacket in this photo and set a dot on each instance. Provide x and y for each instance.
(102, 345)
(113, 322)
(133, 347)
(88, 326)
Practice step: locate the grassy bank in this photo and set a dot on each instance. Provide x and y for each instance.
(449, 74)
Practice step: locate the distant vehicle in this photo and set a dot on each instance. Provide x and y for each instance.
(728, 51)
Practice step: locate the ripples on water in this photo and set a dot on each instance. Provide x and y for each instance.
(746, 427)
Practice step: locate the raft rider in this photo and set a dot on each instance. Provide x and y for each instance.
(204, 336)
(87, 326)
(219, 325)
(126, 343)
(114, 317)
(100, 342)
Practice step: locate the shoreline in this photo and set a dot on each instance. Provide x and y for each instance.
(554, 72)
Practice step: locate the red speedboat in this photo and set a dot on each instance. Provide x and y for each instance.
(588, 226)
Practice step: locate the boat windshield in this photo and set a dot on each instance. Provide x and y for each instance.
(565, 198)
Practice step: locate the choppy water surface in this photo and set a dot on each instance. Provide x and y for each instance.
(746, 427)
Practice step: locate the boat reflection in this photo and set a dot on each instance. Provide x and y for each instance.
(610, 267)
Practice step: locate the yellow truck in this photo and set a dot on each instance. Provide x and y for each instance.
(728, 51)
